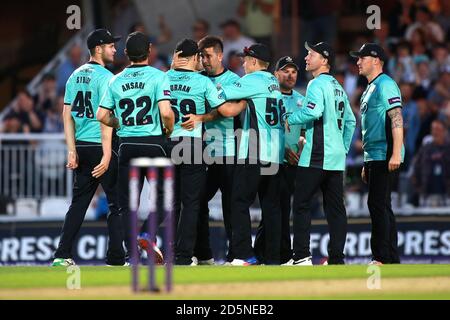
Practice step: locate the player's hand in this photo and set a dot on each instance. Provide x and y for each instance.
(394, 162)
(72, 160)
(177, 61)
(167, 132)
(102, 167)
(191, 122)
(301, 142)
(363, 175)
(291, 156)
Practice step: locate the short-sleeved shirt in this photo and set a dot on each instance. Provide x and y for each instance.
(381, 95)
(292, 102)
(84, 89)
(219, 135)
(190, 92)
(263, 133)
(329, 123)
(134, 94)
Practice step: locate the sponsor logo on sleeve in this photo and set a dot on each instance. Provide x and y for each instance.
(394, 100)
(311, 105)
(167, 92)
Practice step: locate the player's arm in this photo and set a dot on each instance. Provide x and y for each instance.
(349, 125)
(69, 133)
(395, 115)
(102, 167)
(232, 109)
(106, 117)
(312, 109)
(167, 116)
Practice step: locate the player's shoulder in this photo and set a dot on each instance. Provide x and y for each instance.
(231, 75)
(316, 83)
(384, 81)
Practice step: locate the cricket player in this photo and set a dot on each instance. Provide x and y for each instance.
(261, 152)
(90, 149)
(140, 96)
(220, 148)
(382, 135)
(286, 71)
(330, 124)
(191, 92)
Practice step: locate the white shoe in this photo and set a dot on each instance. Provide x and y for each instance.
(247, 262)
(60, 262)
(194, 261)
(126, 264)
(302, 262)
(209, 262)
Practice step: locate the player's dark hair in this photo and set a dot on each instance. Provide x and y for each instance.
(211, 42)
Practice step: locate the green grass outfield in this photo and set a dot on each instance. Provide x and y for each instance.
(256, 282)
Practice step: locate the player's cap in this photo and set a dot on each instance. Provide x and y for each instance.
(188, 47)
(137, 45)
(99, 37)
(284, 62)
(324, 49)
(371, 50)
(258, 50)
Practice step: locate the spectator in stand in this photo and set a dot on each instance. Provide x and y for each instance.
(411, 121)
(418, 43)
(235, 63)
(441, 60)
(401, 67)
(200, 29)
(47, 93)
(233, 40)
(31, 120)
(401, 17)
(441, 90)
(426, 113)
(11, 124)
(258, 19)
(75, 59)
(432, 165)
(443, 17)
(423, 76)
(53, 119)
(423, 21)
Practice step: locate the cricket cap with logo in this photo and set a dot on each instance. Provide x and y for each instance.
(99, 37)
(370, 50)
(284, 62)
(324, 49)
(258, 51)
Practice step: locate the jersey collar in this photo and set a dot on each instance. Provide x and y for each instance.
(288, 94)
(376, 77)
(138, 66)
(183, 70)
(94, 62)
(218, 75)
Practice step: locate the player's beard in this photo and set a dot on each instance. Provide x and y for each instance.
(106, 59)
